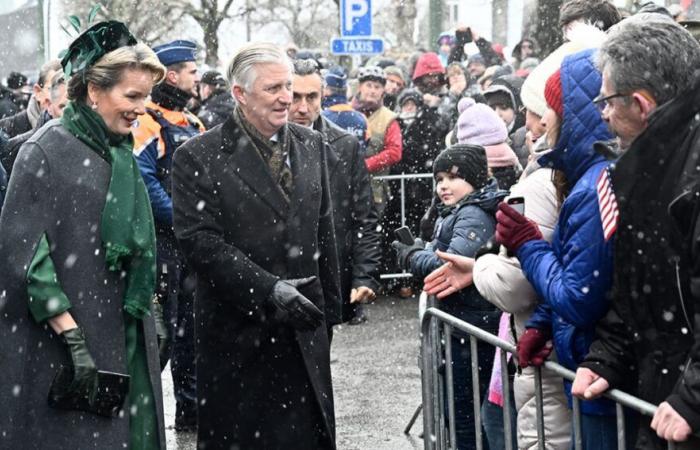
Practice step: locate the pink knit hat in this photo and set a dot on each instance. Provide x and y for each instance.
(479, 124)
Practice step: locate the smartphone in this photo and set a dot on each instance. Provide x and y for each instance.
(518, 204)
(404, 235)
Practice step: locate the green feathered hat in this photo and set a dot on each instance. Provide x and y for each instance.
(93, 43)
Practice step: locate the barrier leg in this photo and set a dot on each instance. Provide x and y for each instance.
(578, 439)
(620, 414)
(539, 404)
(476, 393)
(447, 333)
(505, 383)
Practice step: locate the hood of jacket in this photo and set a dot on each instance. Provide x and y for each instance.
(582, 124)
(510, 85)
(427, 64)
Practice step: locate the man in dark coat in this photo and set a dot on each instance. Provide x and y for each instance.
(253, 216)
(217, 101)
(30, 117)
(52, 106)
(647, 344)
(355, 219)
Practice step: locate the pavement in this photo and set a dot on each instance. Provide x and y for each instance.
(376, 381)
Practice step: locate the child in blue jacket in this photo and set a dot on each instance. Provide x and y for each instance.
(469, 199)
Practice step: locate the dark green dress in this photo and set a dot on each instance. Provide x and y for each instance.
(47, 299)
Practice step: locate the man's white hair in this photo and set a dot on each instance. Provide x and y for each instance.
(241, 70)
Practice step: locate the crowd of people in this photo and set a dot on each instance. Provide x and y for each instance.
(224, 223)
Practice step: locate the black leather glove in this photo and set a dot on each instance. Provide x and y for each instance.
(164, 340)
(405, 251)
(292, 308)
(84, 382)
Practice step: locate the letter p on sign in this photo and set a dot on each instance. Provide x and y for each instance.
(356, 18)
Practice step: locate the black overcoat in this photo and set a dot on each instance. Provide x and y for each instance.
(260, 384)
(355, 218)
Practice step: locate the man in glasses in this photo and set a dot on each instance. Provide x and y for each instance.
(648, 342)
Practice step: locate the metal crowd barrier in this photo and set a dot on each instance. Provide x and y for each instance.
(402, 192)
(437, 328)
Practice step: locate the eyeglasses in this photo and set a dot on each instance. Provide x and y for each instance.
(603, 102)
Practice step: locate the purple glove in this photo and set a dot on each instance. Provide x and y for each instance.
(534, 347)
(513, 229)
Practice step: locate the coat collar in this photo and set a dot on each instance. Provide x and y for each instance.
(247, 164)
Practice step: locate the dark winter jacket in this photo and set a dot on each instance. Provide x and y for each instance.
(355, 220)
(649, 342)
(462, 230)
(10, 152)
(241, 235)
(573, 273)
(8, 105)
(16, 124)
(216, 109)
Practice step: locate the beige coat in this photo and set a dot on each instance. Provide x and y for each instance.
(500, 280)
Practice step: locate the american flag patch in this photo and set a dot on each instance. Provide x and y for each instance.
(607, 204)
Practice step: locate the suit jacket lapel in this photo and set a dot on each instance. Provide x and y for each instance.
(248, 165)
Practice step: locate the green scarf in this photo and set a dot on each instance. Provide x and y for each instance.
(128, 233)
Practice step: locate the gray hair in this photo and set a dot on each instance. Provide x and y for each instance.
(303, 67)
(57, 81)
(652, 52)
(53, 65)
(241, 70)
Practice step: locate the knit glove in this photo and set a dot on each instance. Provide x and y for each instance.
(84, 382)
(514, 229)
(291, 307)
(405, 251)
(534, 347)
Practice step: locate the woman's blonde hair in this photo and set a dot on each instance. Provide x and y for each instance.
(107, 71)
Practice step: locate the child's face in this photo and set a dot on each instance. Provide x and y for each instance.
(451, 188)
(506, 113)
(409, 106)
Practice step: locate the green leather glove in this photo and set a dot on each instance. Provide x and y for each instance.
(84, 382)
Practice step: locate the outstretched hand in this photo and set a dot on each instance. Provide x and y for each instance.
(451, 277)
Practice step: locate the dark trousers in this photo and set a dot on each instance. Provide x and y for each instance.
(175, 291)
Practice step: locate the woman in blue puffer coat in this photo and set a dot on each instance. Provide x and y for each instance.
(469, 200)
(574, 272)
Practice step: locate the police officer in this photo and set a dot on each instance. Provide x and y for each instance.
(166, 125)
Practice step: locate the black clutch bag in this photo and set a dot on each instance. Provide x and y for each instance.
(112, 389)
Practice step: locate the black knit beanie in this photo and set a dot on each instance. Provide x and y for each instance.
(465, 161)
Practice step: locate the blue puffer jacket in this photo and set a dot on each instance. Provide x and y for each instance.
(462, 230)
(574, 272)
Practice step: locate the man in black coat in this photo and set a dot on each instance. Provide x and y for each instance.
(649, 342)
(355, 219)
(30, 117)
(217, 101)
(52, 108)
(253, 216)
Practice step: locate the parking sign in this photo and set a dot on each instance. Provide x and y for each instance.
(356, 18)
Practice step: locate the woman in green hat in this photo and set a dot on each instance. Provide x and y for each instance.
(77, 264)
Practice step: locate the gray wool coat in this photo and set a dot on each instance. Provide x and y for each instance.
(58, 187)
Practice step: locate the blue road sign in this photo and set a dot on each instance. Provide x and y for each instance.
(356, 46)
(356, 18)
